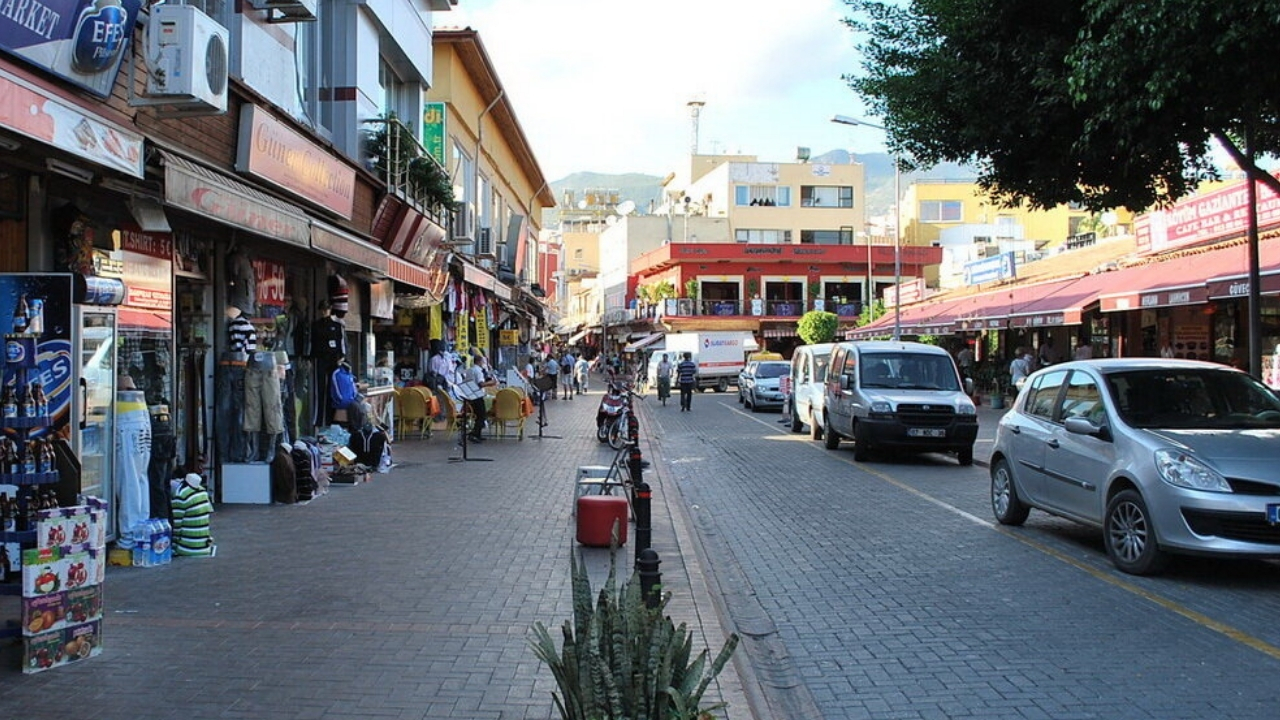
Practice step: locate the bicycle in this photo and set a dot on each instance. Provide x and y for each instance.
(619, 426)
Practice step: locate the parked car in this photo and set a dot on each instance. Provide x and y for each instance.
(758, 384)
(1164, 456)
(802, 391)
(896, 395)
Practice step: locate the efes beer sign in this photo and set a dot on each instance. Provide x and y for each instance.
(81, 41)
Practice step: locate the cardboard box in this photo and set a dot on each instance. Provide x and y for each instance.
(344, 456)
(44, 613)
(60, 647)
(43, 571)
(83, 604)
(80, 572)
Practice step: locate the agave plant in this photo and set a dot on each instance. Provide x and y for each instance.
(621, 659)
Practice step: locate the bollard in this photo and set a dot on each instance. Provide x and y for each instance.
(650, 577)
(643, 510)
(633, 428)
(635, 465)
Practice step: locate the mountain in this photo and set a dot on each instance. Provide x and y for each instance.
(645, 189)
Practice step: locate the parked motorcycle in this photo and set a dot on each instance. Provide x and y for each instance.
(613, 405)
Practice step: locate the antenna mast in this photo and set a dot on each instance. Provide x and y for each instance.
(695, 109)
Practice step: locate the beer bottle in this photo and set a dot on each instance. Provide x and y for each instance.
(29, 401)
(6, 568)
(41, 402)
(8, 523)
(21, 315)
(9, 401)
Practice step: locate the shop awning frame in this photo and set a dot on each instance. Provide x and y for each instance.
(644, 342)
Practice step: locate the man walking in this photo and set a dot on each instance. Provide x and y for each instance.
(687, 376)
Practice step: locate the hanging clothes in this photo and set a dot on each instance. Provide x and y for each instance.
(191, 508)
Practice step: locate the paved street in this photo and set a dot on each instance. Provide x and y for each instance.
(410, 596)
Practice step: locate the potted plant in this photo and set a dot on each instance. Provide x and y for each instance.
(691, 292)
(622, 659)
(405, 166)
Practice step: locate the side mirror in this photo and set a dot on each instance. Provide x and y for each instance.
(846, 382)
(968, 386)
(1083, 426)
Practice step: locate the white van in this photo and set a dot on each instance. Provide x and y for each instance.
(802, 398)
(898, 396)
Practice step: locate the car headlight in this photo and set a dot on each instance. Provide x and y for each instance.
(966, 409)
(881, 406)
(1182, 470)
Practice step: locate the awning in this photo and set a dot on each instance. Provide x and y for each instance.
(643, 342)
(142, 320)
(344, 246)
(1063, 303)
(212, 194)
(1177, 281)
(779, 332)
(577, 336)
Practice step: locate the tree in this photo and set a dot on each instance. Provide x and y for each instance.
(1105, 103)
(817, 326)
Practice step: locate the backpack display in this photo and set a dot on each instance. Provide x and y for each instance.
(342, 387)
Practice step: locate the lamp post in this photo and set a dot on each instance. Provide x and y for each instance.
(897, 226)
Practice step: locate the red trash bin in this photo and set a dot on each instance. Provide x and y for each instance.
(596, 516)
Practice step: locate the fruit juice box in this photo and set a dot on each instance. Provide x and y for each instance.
(83, 604)
(77, 521)
(79, 567)
(44, 613)
(82, 641)
(98, 567)
(51, 530)
(43, 651)
(97, 527)
(43, 571)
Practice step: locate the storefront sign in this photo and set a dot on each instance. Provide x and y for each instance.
(340, 245)
(272, 151)
(1211, 216)
(37, 113)
(80, 41)
(147, 260)
(482, 279)
(1000, 267)
(433, 131)
(1238, 286)
(213, 195)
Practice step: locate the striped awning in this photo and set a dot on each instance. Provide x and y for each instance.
(779, 332)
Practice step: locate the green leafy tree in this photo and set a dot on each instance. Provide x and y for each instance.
(1106, 103)
(817, 326)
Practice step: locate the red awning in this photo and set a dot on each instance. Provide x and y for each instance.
(135, 319)
(1178, 281)
(1063, 303)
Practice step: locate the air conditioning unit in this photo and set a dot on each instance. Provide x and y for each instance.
(503, 253)
(187, 58)
(462, 224)
(287, 11)
(484, 242)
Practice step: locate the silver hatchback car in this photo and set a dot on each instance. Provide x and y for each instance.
(1165, 456)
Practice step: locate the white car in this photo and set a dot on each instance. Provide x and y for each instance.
(758, 384)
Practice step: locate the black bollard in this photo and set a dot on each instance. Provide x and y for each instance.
(650, 577)
(644, 516)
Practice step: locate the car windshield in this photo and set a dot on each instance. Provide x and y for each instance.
(1180, 398)
(820, 363)
(909, 371)
(773, 370)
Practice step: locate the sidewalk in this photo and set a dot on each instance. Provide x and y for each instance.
(410, 596)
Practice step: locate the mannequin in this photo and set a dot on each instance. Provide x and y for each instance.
(328, 348)
(133, 455)
(241, 340)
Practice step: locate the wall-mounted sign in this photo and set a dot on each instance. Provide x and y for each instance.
(30, 110)
(434, 131)
(278, 154)
(81, 41)
(1000, 267)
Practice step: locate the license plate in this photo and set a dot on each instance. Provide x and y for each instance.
(1273, 514)
(927, 432)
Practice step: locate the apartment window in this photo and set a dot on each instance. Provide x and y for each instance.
(397, 96)
(316, 63)
(767, 195)
(941, 211)
(826, 237)
(464, 170)
(763, 237)
(835, 196)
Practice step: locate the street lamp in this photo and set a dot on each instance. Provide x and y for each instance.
(897, 226)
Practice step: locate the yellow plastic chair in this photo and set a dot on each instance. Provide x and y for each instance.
(412, 413)
(446, 412)
(508, 409)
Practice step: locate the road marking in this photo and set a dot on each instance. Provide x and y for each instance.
(1198, 618)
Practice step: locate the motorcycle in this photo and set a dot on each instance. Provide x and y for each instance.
(613, 405)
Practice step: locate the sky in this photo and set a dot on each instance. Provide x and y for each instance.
(604, 85)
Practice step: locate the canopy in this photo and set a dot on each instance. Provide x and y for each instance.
(644, 342)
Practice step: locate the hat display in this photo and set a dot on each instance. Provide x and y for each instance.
(339, 294)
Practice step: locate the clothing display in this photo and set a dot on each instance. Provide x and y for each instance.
(262, 404)
(229, 398)
(328, 348)
(133, 456)
(191, 510)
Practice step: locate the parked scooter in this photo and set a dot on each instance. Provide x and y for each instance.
(612, 406)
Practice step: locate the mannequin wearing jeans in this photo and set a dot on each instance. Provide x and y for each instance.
(133, 455)
(242, 340)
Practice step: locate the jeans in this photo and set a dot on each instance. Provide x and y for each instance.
(133, 456)
(262, 411)
(686, 396)
(230, 414)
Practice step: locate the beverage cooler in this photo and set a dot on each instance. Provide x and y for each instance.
(67, 324)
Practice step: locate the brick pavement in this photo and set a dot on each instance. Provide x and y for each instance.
(410, 596)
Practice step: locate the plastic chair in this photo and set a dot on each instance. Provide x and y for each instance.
(446, 412)
(412, 413)
(508, 408)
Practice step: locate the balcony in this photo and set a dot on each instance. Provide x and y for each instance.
(411, 174)
(685, 307)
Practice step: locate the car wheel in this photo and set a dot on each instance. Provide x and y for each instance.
(965, 455)
(741, 401)
(796, 425)
(861, 445)
(1005, 503)
(1131, 536)
(755, 404)
(815, 427)
(830, 440)
(723, 385)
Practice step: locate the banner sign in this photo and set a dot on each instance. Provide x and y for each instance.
(81, 41)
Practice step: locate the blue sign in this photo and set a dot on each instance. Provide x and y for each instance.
(1000, 267)
(82, 41)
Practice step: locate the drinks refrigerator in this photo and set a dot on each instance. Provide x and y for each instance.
(70, 329)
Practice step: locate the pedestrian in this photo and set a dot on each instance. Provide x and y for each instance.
(552, 368)
(663, 372)
(1084, 350)
(566, 374)
(580, 375)
(480, 375)
(965, 358)
(1020, 368)
(687, 375)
